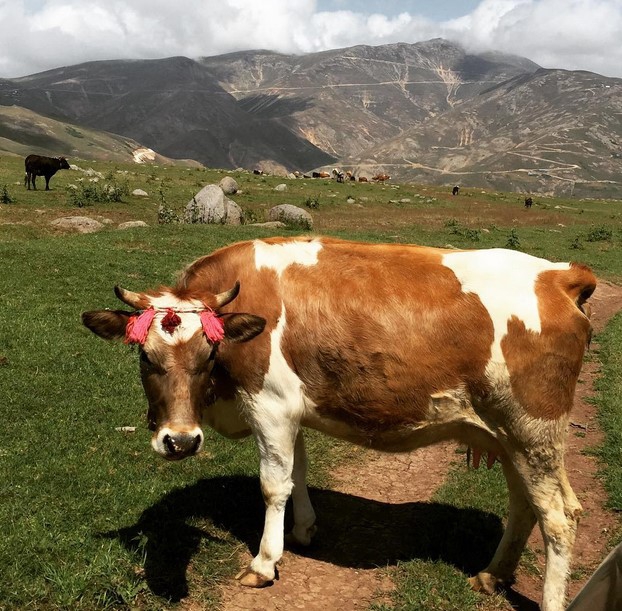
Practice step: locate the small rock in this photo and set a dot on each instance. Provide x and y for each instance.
(132, 224)
(81, 224)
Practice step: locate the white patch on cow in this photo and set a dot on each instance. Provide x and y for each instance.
(504, 280)
(190, 321)
(280, 256)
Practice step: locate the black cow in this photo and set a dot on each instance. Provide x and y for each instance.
(37, 165)
(528, 202)
(455, 190)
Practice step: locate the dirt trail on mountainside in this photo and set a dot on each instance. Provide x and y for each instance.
(361, 520)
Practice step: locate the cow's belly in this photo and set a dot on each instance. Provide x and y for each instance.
(450, 415)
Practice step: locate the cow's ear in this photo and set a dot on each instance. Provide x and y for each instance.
(242, 327)
(109, 324)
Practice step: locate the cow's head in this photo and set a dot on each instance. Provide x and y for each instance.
(64, 164)
(178, 341)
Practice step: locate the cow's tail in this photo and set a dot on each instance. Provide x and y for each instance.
(581, 284)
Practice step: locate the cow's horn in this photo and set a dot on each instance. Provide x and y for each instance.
(132, 299)
(222, 299)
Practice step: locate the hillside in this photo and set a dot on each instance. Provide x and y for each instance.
(428, 111)
(23, 131)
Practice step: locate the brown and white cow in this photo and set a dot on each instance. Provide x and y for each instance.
(389, 346)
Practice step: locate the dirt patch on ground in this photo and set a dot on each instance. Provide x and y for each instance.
(359, 521)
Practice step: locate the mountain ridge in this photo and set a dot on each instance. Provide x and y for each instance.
(427, 111)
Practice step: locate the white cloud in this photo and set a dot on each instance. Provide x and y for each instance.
(42, 34)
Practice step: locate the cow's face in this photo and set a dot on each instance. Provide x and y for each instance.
(64, 165)
(178, 345)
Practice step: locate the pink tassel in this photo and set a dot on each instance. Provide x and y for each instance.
(213, 326)
(138, 327)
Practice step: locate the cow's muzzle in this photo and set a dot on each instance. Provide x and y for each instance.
(175, 445)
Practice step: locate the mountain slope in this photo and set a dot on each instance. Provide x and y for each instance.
(428, 111)
(173, 106)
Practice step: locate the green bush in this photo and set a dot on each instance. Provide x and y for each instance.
(513, 241)
(599, 234)
(5, 198)
(87, 194)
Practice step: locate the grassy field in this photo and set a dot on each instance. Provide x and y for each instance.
(92, 517)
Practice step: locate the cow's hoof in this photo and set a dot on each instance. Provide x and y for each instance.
(249, 578)
(485, 582)
(300, 537)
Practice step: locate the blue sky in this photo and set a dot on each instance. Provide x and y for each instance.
(439, 10)
(43, 34)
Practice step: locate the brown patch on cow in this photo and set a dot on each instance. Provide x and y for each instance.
(364, 357)
(544, 366)
(238, 364)
(176, 380)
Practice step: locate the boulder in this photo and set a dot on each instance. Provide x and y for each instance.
(281, 187)
(291, 215)
(228, 185)
(210, 205)
(81, 224)
(140, 193)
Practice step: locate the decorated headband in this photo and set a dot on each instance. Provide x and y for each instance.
(138, 324)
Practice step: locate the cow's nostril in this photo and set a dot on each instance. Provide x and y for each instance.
(169, 443)
(196, 444)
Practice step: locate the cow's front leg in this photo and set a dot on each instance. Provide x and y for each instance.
(276, 449)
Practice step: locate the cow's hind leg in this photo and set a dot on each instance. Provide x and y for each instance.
(557, 510)
(304, 515)
(521, 520)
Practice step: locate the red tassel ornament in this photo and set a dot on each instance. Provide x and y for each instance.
(213, 327)
(137, 327)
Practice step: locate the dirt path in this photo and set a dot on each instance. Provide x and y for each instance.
(359, 521)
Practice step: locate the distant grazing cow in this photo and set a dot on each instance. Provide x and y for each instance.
(363, 179)
(258, 172)
(528, 202)
(386, 345)
(315, 174)
(455, 190)
(338, 175)
(324, 174)
(37, 165)
(381, 177)
(350, 175)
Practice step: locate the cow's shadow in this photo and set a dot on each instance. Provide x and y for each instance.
(352, 531)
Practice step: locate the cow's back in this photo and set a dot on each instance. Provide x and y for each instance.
(373, 331)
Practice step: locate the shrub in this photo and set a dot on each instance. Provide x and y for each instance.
(90, 193)
(5, 198)
(576, 244)
(250, 216)
(513, 241)
(166, 215)
(599, 234)
(313, 203)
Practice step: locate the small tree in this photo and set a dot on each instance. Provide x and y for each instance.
(5, 198)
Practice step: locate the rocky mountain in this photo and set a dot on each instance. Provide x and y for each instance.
(423, 112)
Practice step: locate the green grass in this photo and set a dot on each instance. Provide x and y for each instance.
(91, 517)
(609, 402)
